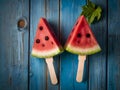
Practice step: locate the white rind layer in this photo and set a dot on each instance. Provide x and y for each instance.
(83, 51)
(46, 54)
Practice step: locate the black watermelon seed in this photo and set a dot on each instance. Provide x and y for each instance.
(52, 43)
(46, 38)
(78, 42)
(41, 28)
(43, 45)
(87, 35)
(37, 40)
(72, 29)
(79, 35)
(76, 23)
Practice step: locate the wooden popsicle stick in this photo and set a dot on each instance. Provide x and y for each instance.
(51, 69)
(81, 60)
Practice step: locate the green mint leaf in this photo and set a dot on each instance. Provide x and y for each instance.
(95, 14)
(98, 11)
(90, 4)
(91, 12)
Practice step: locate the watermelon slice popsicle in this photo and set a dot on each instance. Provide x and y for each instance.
(46, 46)
(82, 42)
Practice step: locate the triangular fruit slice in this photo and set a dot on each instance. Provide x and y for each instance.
(81, 40)
(45, 43)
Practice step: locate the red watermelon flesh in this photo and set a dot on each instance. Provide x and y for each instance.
(81, 40)
(45, 43)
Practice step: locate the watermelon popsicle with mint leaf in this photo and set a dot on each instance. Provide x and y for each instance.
(82, 42)
(46, 46)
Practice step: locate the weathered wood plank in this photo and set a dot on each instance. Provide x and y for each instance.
(13, 45)
(37, 66)
(97, 62)
(113, 45)
(52, 15)
(49, 10)
(69, 12)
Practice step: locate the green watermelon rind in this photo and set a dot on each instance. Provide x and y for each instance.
(89, 51)
(56, 52)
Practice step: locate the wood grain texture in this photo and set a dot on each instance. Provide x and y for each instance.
(97, 62)
(102, 71)
(37, 66)
(113, 45)
(51, 70)
(69, 12)
(52, 15)
(40, 79)
(13, 45)
(80, 69)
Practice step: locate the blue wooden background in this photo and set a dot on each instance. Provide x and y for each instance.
(20, 71)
